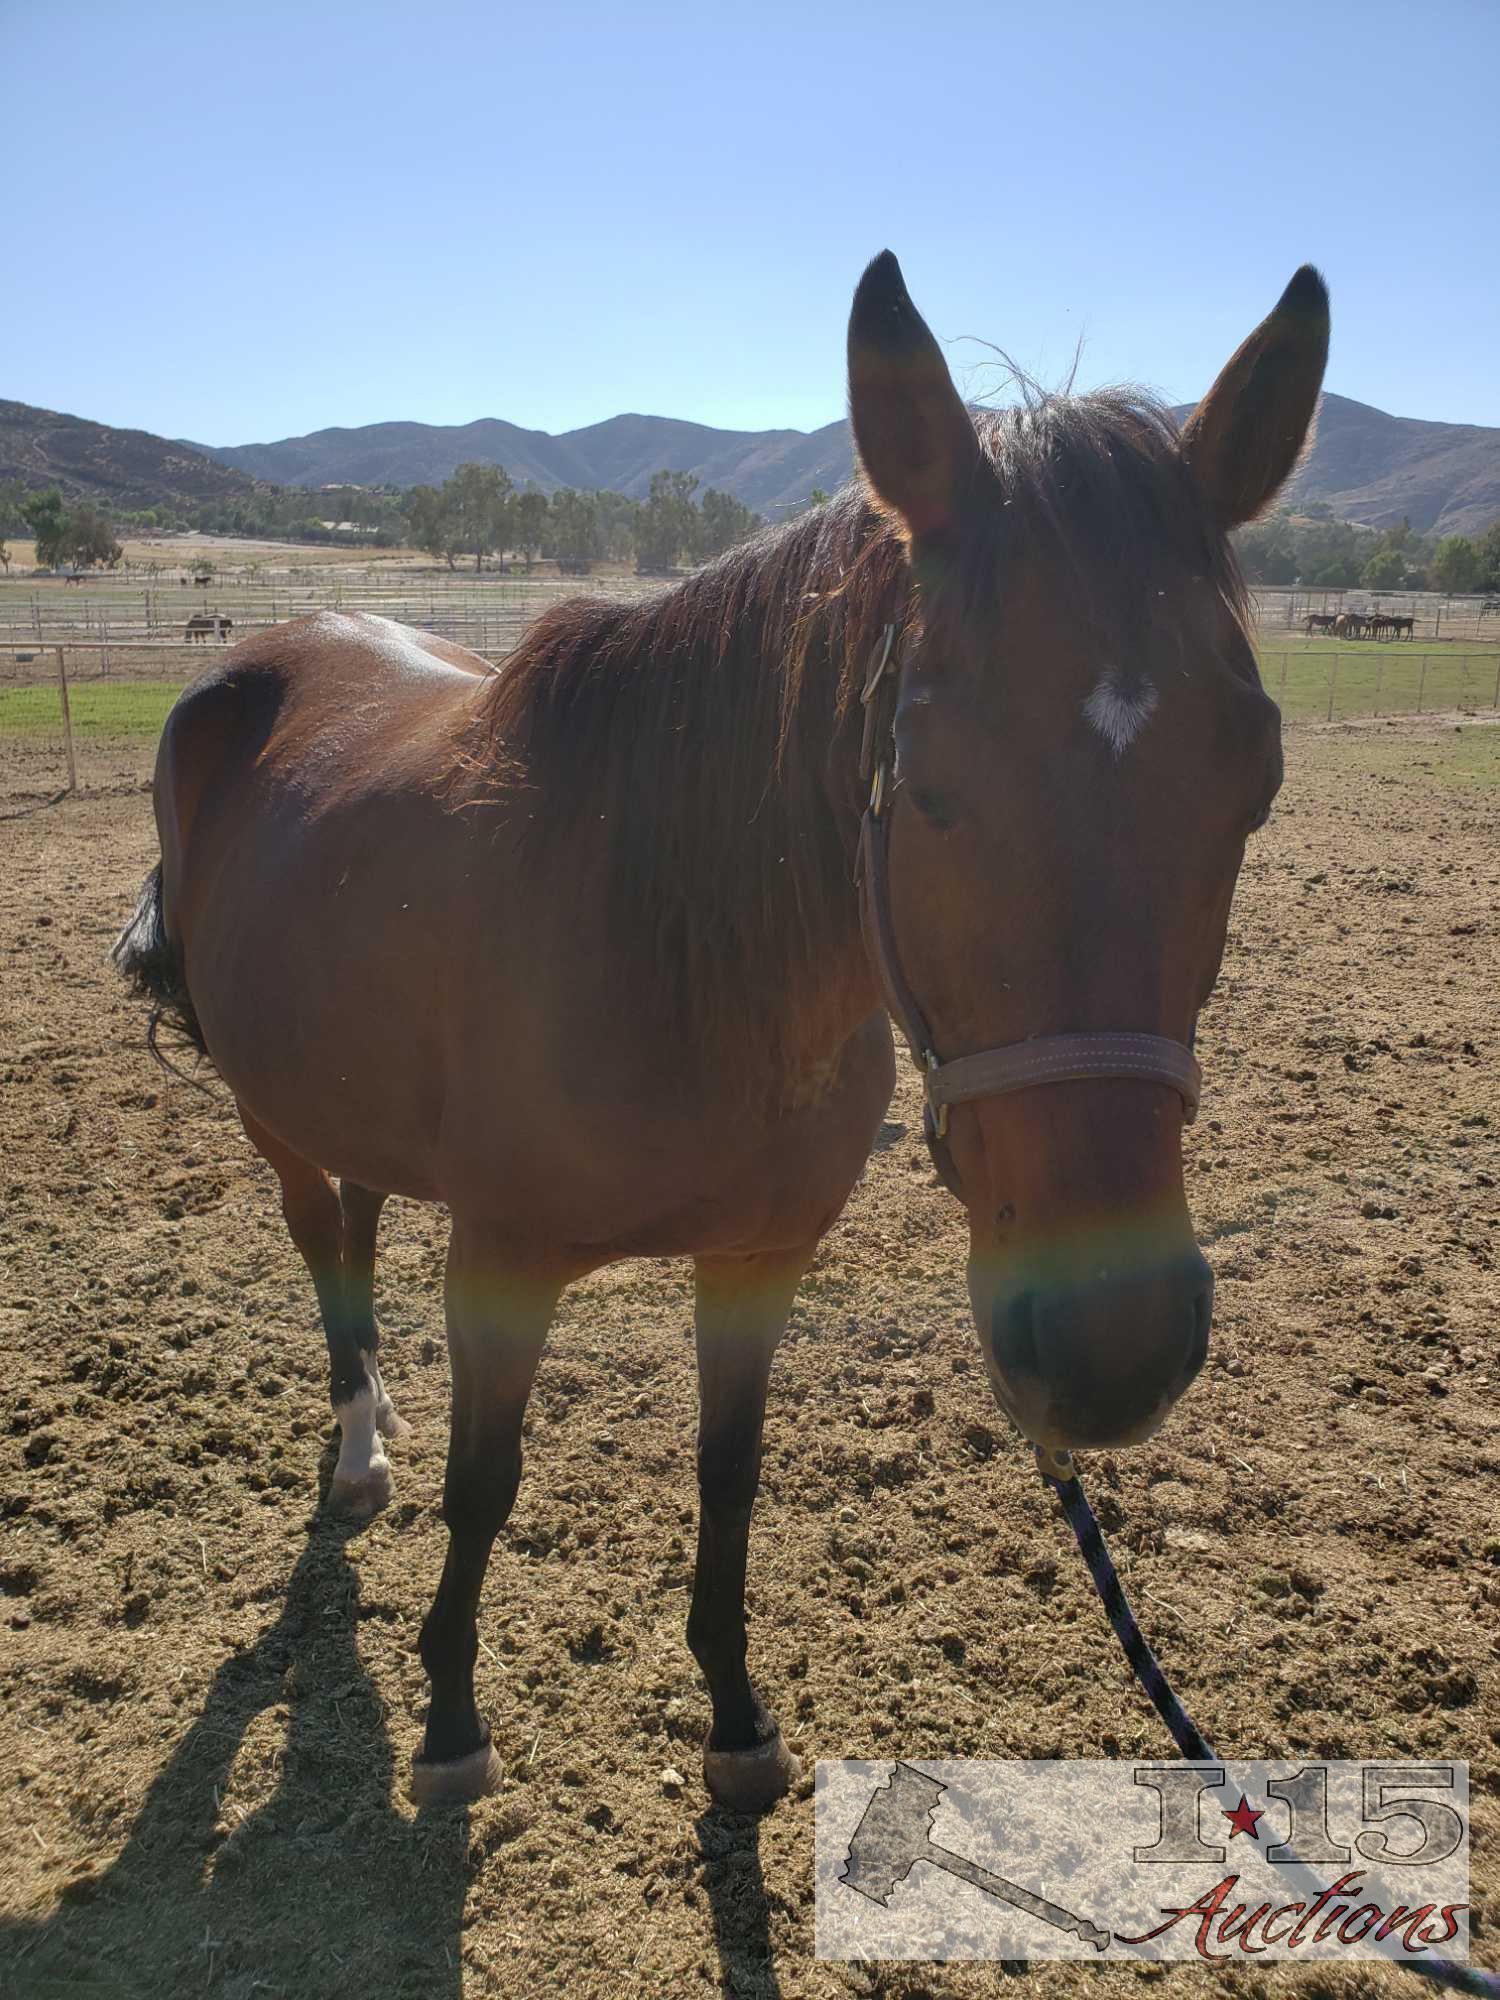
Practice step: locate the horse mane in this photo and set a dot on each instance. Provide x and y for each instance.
(712, 729)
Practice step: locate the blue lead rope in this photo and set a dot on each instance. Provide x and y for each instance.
(1057, 1470)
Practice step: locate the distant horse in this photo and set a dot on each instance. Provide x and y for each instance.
(579, 949)
(1319, 621)
(1348, 625)
(1403, 627)
(207, 625)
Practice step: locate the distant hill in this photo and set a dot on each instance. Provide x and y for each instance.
(89, 461)
(1367, 466)
(1378, 469)
(771, 471)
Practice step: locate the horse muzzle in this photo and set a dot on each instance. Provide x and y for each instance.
(1097, 1358)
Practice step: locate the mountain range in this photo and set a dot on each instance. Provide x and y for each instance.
(1365, 465)
(771, 471)
(119, 468)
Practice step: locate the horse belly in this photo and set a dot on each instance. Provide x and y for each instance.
(325, 1025)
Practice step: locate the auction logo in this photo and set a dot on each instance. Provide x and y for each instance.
(1202, 1862)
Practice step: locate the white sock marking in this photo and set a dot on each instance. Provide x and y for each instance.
(360, 1449)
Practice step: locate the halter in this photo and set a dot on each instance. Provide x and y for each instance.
(993, 1072)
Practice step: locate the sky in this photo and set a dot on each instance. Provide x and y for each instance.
(241, 222)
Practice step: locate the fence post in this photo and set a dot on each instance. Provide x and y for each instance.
(1379, 680)
(67, 715)
(1333, 678)
(1421, 683)
(1281, 692)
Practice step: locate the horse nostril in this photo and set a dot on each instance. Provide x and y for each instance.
(1015, 1335)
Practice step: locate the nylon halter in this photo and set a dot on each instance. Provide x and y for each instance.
(993, 1072)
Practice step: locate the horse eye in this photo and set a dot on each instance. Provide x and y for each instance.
(939, 809)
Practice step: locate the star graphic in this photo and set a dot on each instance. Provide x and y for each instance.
(1242, 1819)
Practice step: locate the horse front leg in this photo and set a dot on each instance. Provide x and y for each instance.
(497, 1322)
(742, 1309)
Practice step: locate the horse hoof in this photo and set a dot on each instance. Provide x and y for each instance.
(750, 1781)
(390, 1423)
(360, 1498)
(458, 1782)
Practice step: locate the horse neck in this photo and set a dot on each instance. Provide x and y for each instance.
(764, 833)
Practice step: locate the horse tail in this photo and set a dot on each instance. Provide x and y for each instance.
(151, 965)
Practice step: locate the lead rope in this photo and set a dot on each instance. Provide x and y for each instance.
(1057, 1470)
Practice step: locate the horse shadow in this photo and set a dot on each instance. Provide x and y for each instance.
(736, 1890)
(323, 1888)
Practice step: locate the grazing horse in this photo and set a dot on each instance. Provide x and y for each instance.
(596, 949)
(1318, 621)
(1348, 625)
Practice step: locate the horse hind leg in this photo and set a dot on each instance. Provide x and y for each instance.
(315, 1221)
(361, 1208)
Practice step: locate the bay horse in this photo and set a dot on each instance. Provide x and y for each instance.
(578, 948)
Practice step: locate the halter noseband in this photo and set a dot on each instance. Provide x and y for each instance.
(993, 1072)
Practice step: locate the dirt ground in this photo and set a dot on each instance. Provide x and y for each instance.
(211, 1692)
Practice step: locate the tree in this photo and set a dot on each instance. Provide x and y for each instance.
(1385, 570)
(723, 521)
(47, 518)
(619, 524)
(90, 539)
(1455, 567)
(431, 523)
(476, 497)
(1489, 558)
(669, 522)
(528, 523)
(1267, 551)
(574, 536)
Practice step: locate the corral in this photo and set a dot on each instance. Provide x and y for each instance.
(213, 1691)
(132, 628)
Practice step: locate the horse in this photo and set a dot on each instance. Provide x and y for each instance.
(1318, 621)
(1348, 625)
(204, 625)
(601, 950)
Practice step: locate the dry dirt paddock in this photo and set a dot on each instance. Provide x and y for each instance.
(211, 1692)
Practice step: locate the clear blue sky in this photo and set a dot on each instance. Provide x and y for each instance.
(236, 222)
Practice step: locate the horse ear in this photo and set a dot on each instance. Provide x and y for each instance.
(1246, 435)
(915, 439)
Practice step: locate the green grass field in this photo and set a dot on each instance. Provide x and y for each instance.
(99, 708)
(1369, 679)
(1365, 679)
